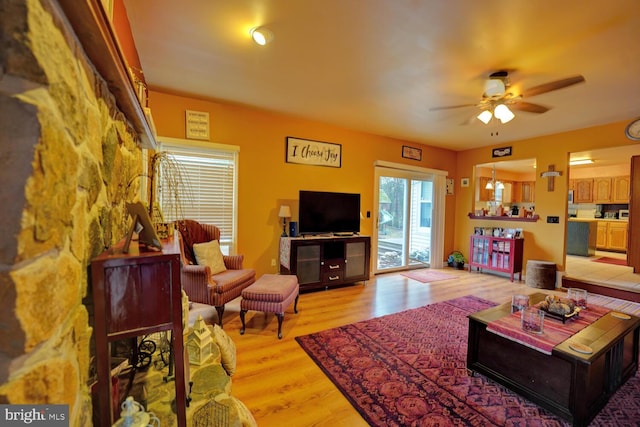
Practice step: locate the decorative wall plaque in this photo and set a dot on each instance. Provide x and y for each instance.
(197, 124)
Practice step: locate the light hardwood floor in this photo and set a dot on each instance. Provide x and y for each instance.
(282, 386)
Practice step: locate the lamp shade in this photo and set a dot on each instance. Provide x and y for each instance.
(489, 186)
(503, 113)
(485, 116)
(285, 212)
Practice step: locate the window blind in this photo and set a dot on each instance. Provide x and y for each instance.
(208, 194)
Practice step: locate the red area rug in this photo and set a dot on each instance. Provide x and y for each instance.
(409, 369)
(609, 260)
(426, 275)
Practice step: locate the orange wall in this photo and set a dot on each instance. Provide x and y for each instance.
(266, 181)
(542, 241)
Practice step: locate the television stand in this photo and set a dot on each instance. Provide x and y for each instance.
(323, 262)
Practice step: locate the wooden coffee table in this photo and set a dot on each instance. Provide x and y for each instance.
(572, 385)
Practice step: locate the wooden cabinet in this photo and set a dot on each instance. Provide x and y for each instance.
(602, 190)
(617, 236)
(496, 253)
(611, 189)
(582, 190)
(621, 189)
(528, 192)
(135, 294)
(326, 261)
(482, 193)
(601, 240)
(612, 235)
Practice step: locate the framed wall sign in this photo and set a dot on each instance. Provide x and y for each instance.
(501, 152)
(316, 153)
(197, 123)
(464, 182)
(411, 153)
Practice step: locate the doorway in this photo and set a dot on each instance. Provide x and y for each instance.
(406, 203)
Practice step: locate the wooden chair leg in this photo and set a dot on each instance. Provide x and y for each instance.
(220, 310)
(280, 319)
(295, 304)
(242, 313)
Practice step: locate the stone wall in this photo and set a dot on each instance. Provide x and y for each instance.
(67, 156)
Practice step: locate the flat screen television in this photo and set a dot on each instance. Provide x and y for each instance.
(322, 212)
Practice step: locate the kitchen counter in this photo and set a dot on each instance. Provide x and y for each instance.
(581, 236)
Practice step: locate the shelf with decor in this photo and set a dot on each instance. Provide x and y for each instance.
(533, 218)
(93, 28)
(503, 254)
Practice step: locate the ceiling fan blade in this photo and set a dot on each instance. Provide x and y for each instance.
(451, 107)
(548, 87)
(529, 107)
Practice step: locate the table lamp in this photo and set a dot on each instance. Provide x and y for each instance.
(285, 212)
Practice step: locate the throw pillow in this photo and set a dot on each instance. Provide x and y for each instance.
(227, 349)
(209, 254)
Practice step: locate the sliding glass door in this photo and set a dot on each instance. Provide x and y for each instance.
(405, 202)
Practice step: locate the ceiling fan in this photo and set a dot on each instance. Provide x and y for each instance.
(497, 98)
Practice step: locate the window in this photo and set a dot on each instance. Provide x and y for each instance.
(209, 193)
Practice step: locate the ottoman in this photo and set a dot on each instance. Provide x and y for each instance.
(271, 293)
(541, 274)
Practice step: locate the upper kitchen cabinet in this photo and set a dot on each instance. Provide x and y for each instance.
(582, 190)
(602, 190)
(621, 189)
(528, 192)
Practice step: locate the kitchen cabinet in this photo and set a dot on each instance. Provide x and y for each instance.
(612, 235)
(528, 192)
(602, 189)
(601, 240)
(621, 189)
(582, 190)
(483, 194)
(617, 236)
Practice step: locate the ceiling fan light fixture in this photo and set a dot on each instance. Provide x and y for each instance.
(485, 116)
(503, 113)
(261, 35)
(493, 87)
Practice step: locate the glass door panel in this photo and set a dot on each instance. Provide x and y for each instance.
(405, 209)
(392, 196)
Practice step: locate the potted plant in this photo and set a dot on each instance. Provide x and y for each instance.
(456, 260)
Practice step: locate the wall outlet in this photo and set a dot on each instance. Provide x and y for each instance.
(273, 262)
(553, 219)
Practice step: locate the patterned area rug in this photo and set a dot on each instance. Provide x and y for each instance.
(609, 260)
(426, 275)
(409, 369)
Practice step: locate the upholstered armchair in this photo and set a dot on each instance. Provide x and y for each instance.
(198, 282)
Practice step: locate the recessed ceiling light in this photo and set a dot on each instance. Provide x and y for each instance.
(261, 35)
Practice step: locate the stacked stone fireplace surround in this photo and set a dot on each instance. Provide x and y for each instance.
(68, 156)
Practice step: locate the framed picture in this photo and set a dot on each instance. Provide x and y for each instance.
(449, 186)
(411, 153)
(464, 182)
(316, 153)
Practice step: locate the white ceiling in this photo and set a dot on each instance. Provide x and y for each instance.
(379, 66)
